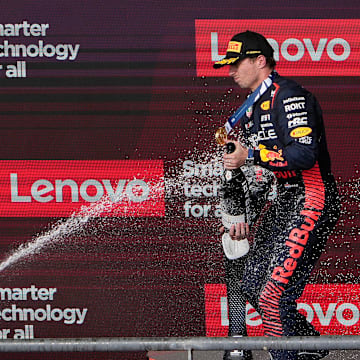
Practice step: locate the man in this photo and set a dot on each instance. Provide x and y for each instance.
(282, 131)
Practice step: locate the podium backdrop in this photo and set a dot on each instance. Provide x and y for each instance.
(109, 169)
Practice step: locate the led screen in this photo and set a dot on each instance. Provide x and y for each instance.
(109, 177)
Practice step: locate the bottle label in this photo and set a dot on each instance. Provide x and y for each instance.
(228, 175)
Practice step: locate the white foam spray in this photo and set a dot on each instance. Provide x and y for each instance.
(62, 229)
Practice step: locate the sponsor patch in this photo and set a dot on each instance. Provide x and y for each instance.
(305, 140)
(227, 61)
(253, 52)
(265, 117)
(270, 155)
(298, 121)
(249, 125)
(292, 115)
(292, 99)
(300, 132)
(234, 46)
(265, 105)
(249, 112)
(295, 106)
(266, 134)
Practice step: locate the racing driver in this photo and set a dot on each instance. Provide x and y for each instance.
(283, 131)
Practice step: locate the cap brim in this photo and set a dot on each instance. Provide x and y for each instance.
(225, 61)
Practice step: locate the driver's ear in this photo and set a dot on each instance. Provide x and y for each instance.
(261, 61)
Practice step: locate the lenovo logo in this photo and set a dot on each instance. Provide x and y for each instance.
(332, 309)
(302, 47)
(90, 190)
(60, 188)
(293, 49)
(346, 314)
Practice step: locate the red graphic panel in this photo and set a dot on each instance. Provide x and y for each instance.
(333, 309)
(302, 47)
(54, 188)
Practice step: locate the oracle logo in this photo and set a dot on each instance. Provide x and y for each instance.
(313, 48)
(64, 187)
(42, 190)
(318, 47)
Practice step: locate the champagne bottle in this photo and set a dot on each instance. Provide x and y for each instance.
(234, 201)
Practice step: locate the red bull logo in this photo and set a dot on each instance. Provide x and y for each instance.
(267, 155)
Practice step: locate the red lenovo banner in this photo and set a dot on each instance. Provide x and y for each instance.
(53, 188)
(302, 47)
(333, 309)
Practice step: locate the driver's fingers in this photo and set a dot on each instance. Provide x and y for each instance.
(247, 229)
(239, 231)
(232, 231)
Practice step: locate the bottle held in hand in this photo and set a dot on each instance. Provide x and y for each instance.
(234, 201)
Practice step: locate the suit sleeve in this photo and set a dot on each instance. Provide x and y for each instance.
(296, 117)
